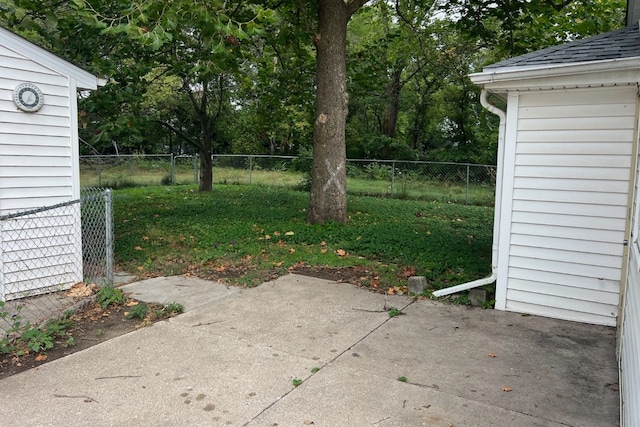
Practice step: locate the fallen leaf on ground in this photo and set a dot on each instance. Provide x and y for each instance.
(41, 357)
(408, 271)
(137, 248)
(493, 355)
(80, 290)
(341, 252)
(132, 303)
(289, 233)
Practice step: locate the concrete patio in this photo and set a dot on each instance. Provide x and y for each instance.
(232, 358)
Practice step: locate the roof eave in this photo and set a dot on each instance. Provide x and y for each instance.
(84, 79)
(505, 75)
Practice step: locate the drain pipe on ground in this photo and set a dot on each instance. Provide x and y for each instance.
(498, 202)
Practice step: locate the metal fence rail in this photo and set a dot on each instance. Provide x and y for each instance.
(46, 254)
(450, 182)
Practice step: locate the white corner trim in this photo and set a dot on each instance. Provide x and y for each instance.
(75, 139)
(508, 172)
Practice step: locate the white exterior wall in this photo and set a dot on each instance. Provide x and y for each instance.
(630, 346)
(38, 167)
(629, 324)
(564, 209)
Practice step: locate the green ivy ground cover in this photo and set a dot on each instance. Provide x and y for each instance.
(250, 233)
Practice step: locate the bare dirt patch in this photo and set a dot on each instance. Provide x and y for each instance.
(93, 325)
(355, 275)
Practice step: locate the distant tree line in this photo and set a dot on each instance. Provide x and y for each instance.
(383, 79)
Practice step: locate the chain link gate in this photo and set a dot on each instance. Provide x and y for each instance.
(44, 252)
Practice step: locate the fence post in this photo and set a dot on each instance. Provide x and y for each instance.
(250, 168)
(108, 231)
(393, 177)
(467, 193)
(99, 171)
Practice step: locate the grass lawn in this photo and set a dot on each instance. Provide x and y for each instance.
(133, 172)
(246, 234)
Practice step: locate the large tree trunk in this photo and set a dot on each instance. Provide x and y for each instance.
(328, 198)
(393, 107)
(206, 169)
(205, 151)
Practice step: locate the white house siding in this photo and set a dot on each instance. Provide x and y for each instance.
(35, 149)
(37, 168)
(630, 347)
(569, 195)
(629, 325)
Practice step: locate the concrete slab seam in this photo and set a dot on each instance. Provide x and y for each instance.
(326, 364)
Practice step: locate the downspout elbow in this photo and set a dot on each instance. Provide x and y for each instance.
(498, 202)
(495, 110)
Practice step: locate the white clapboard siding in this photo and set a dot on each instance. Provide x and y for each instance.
(630, 346)
(598, 283)
(569, 200)
(619, 148)
(629, 325)
(613, 199)
(36, 150)
(38, 167)
(566, 208)
(7, 139)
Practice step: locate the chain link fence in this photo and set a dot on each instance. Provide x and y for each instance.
(435, 181)
(48, 257)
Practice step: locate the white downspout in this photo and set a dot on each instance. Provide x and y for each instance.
(498, 203)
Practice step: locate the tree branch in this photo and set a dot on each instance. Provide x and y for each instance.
(559, 6)
(354, 5)
(179, 133)
(220, 95)
(236, 9)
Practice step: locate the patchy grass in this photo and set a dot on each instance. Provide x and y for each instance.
(248, 234)
(417, 181)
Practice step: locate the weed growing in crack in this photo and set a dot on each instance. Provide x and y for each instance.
(394, 312)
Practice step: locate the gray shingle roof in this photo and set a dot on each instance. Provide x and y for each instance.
(623, 43)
